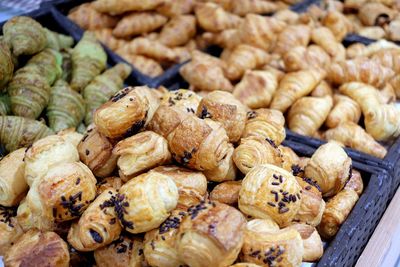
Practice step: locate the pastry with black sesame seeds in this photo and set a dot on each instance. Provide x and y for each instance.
(112, 182)
(10, 230)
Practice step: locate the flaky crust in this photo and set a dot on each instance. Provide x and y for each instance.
(303, 58)
(10, 230)
(325, 38)
(289, 158)
(112, 182)
(226, 192)
(226, 169)
(312, 243)
(345, 109)
(213, 17)
(261, 197)
(355, 182)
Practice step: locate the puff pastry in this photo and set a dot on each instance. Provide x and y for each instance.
(303, 58)
(270, 192)
(312, 243)
(12, 180)
(339, 25)
(226, 192)
(211, 234)
(46, 153)
(344, 109)
(145, 202)
(212, 17)
(331, 175)
(226, 169)
(10, 230)
(192, 185)
(37, 248)
(325, 38)
(355, 182)
(265, 123)
(172, 8)
(112, 182)
(291, 36)
(289, 158)
(185, 25)
(71, 135)
(61, 195)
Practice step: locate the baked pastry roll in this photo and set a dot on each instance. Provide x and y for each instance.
(213, 18)
(12, 180)
(198, 144)
(352, 135)
(226, 192)
(295, 85)
(224, 108)
(36, 248)
(325, 38)
(226, 169)
(138, 23)
(344, 109)
(211, 234)
(145, 202)
(98, 226)
(266, 124)
(125, 251)
(304, 58)
(312, 204)
(226, 39)
(141, 152)
(271, 247)
(160, 244)
(289, 158)
(60, 195)
(312, 243)
(375, 14)
(89, 18)
(113, 182)
(372, 32)
(173, 8)
(330, 167)
(115, 8)
(339, 25)
(183, 99)
(10, 230)
(291, 36)
(355, 182)
(46, 153)
(256, 88)
(95, 150)
(192, 185)
(254, 151)
(270, 192)
(308, 114)
(71, 135)
(185, 25)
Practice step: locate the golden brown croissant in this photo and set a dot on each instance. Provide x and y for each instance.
(112, 182)
(145, 202)
(126, 113)
(308, 114)
(365, 95)
(192, 185)
(149, 48)
(292, 36)
(322, 89)
(344, 109)
(173, 8)
(226, 169)
(211, 234)
(60, 195)
(338, 24)
(115, 7)
(88, 18)
(256, 88)
(36, 248)
(289, 158)
(226, 192)
(160, 244)
(364, 70)
(373, 32)
(266, 124)
(213, 18)
(185, 25)
(13, 186)
(95, 150)
(355, 182)
(105, 36)
(46, 153)
(226, 39)
(145, 65)
(138, 23)
(303, 58)
(293, 86)
(223, 107)
(270, 192)
(10, 230)
(355, 50)
(139, 153)
(331, 175)
(352, 135)
(254, 151)
(323, 37)
(242, 58)
(387, 94)
(312, 243)
(244, 7)
(125, 251)
(388, 58)
(98, 226)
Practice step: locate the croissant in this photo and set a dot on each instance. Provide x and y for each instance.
(125, 251)
(145, 202)
(10, 230)
(17, 132)
(373, 32)
(365, 95)
(312, 243)
(382, 122)
(355, 50)
(304, 58)
(5, 105)
(116, 7)
(226, 192)
(292, 36)
(392, 30)
(344, 109)
(266, 124)
(145, 65)
(58, 41)
(388, 58)
(88, 61)
(29, 89)
(102, 87)
(331, 175)
(375, 14)
(185, 25)
(226, 169)
(38, 248)
(6, 64)
(213, 18)
(339, 25)
(95, 150)
(395, 83)
(98, 225)
(112, 182)
(106, 37)
(24, 35)
(227, 39)
(322, 89)
(88, 18)
(160, 244)
(12, 181)
(295, 85)
(211, 234)
(256, 88)
(66, 65)
(323, 37)
(260, 194)
(138, 23)
(174, 8)
(268, 246)
(244, 7)
(287, 15)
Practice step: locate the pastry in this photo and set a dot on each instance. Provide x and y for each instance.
(226, 169)
(226, 192)
(10, 230)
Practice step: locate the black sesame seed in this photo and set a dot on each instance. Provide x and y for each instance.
(283, 210)
(96, 236)
(271, 204)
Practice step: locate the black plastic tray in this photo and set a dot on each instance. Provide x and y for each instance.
(349, 242)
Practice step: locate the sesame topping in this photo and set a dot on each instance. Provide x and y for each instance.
(96, 236)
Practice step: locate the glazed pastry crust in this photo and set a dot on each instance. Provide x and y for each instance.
(225, 171)
(289, 158)
(112, 182)
(226, 192)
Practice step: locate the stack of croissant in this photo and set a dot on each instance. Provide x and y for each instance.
(173, 179)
